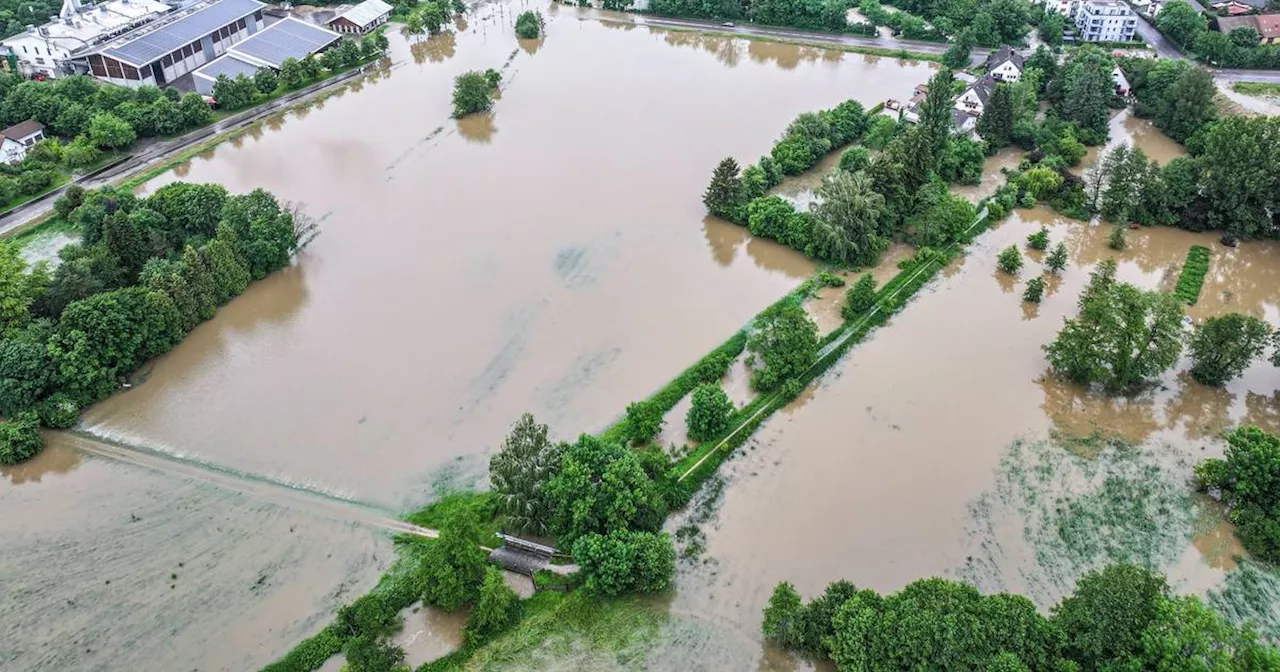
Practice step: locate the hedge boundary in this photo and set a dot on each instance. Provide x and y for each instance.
(1192, 277)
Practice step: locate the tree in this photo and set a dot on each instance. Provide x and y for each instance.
(643, 422)
(373, 654)
(723, 195)
(109, 131)
(962, 160)
(194, 111)
(1187, 635)
(1118, 240)
(1240, 173)
(860, 297)
(1039, 240)
(784, 617)
(1051, 28)
(1223, 347)
(854, 159)
(18, 288)
(1187, 104)
(266, 81)
(1040, 182)
(1057, 259)
(471, 93)
(924, 143)
(529, 25)
(1122, 337)
(520, 472)
(311, 68)
(602, 486)
(453, 566)
(784, 342)
(80, 153)
(1106, 615)
(1034, 291)
(958, 54)
(1180, 23)
(1009, 260)
(1083, 89)
(710, 412)
(496, 610)
(291, 76)
(234, 94)
(20, 438)
(1126, 173)
(996, 123)
(1249, 479)
(984, 30)
(850, 207)
(624, 562)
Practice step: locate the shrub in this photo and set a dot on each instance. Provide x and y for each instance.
(644, 422)
(785, 340)
(373, 654)
(710, 413)
(496, 610)
(473, 92)
(33, 182)
(1039, 240)
(59, 411)
(829, 279)
(1010, 260)
(1035, 290)
(625, 562)
(854, 159)
(860, 297)
(20, 438)
(784, 616)
(1057, 259)
(1118, 240)
(529, 25)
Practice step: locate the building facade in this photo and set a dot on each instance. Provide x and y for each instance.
(18, 138)
(49, 50)
(1105, 21)
(362, 19)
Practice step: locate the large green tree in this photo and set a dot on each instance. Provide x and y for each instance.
(1083, 89)
(784, 342)
(1187, 104)
(453, 566)
(1180, 22)
(1238, 160)
(996, 123)
(1224, 346)
(625, 561)
(723, 195)
(1106, 615)
(520, 472)
(602, 486)
(849, 212)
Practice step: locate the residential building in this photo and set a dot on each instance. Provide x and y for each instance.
(18, 138)
(166, 49)
(287, 38)
(973, 100)
(1063, 7)
(48, 50)
(362, 18)
(1005, 65)
(1105, 21)
(1267, 25)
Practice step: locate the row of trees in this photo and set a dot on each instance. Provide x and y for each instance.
(146, 272)
(828, 15)
(431, 16)
(1121, 618)
(985, 23)
(241, 91)
(1241, 48)
(1124, 337)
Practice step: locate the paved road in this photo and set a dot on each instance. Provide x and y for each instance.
(1163, 45)
(1167, 49)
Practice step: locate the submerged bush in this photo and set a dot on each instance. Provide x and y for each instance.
(1034, 291)
(710, 413)
(1010, 260)
(1039, 240)
(529, 25)
(860, 297)
(20, 438)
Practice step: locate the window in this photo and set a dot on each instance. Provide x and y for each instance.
(39, 60)
(24, 49)
(166, 61)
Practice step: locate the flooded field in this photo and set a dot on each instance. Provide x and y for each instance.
(540, 258)
(552, 256)
(940, 447)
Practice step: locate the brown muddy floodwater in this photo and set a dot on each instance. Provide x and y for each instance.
(900, 466)
(552, 256)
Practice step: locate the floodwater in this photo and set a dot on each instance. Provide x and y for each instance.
(913, 456)
(1139, 134)
(552, 256)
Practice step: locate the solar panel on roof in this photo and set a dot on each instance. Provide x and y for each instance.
(227, 65)
(289, 38)
(168, 37)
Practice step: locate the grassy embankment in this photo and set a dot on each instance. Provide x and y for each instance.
(1264, 89)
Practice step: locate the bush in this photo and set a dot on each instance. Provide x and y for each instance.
(829, 279)
(1039, 240)
(854, 159)
(59, 411)
(1118, 240)
(529, 25)
(625, 562)
(1035, 290)
(1057, 259)
(644, 422)
(33, 182)
(473, 92)
(373, 654)
(710, 413)
(1010, 260)
(20, 438)
(496, 610)
(784, 617)
(1224, 346)
(860, 297)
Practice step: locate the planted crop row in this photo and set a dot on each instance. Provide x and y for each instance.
(1193, 272)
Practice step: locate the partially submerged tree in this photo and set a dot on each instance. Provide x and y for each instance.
(723, 195)
(710, 412)
(473, 91)
(1224, 346)
(529, 25)
(784, 342)
(519, 473)
(1009, 260)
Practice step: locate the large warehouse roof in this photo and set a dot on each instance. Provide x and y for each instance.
(365, 13)
(288, 38)
(162, 37)
(228, 65)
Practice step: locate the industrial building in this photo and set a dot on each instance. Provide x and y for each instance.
(49, 50)
(363, 18)
(269, 48)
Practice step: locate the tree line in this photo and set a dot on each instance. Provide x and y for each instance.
(1247, 479)
(1190, 30)
(984, 23)
(1123, 617)
(242, 91)
(825, 15)
(146, 272)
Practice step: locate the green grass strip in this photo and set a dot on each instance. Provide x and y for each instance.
(1193, 272)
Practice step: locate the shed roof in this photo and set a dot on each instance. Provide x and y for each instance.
(228, 65)
(365, 13)
(22, 129)
(288, 38)
(1268, 25)
(164, 36)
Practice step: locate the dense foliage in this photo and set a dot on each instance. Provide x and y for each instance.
(1224, 346)
(1034, 291)
(806, 14)
(454, 565)
(1122, 618)
(602, 487)
(146, 271)
(860, 297)
(242, 91)
(473, 91)
(1122, 337)
(1241, 48)
(625, 561)
(497, 608)
(1191, 279)
(1083, 90)
(1009, 260)
(529, 25)
(1248, 478)
(1057, 259)
(709, 413)
(519, 472)
(784, 340)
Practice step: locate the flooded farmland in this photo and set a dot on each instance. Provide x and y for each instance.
(552, 256)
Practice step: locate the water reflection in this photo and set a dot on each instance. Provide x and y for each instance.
(478, 128)
(531, 47)
(436, 49)
(724, 238)
(1204, 412)
(53, 460)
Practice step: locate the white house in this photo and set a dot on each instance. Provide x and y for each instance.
(1063, 7)
(1005, 65)
(1105, 21)
(47, 50)
(362, 18)
(974, 98)
(18, 138)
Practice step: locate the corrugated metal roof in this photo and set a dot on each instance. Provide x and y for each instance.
(289, 38)
(227, 65)
(365, 13)
(162, 37)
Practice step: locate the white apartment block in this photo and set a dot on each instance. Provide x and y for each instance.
(1105, 21)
